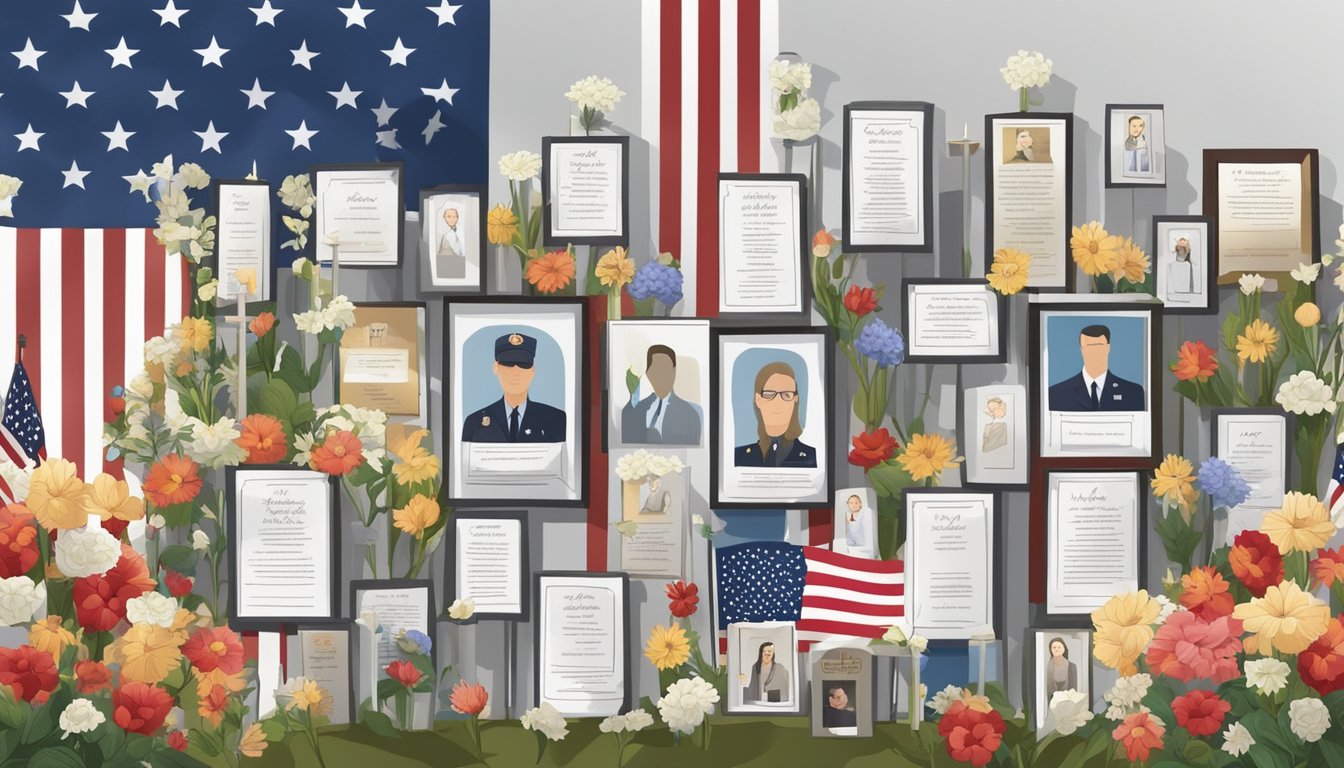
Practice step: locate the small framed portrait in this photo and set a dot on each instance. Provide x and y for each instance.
(764, 257)
(585, 189)
(1029, 193)
(855, 511)
(842, 692)
(1183, 248)
(1094, 541)
(1094, 368)
(1266, 209)
(772, 427)
(763, 668)
(362, 204)
(1061, 660)
(887, 198)
(657, 382)
(516, 386)
(994, 421)
(452, 239)
(1136, 146)
(954, 319)
(654, 525)
(382, 364)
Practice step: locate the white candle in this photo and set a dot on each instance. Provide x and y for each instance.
(965, 133)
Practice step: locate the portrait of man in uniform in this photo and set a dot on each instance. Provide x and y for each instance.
(1096, 387)
(515, 417)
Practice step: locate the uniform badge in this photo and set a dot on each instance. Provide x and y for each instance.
(485, 421)
(527, 431)
(515, 339)
(802, 455)
(748, 450)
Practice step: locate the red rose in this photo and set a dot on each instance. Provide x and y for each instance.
(683, 598)
(860, 301)
(214, 648)
(872, 448)
(178, 585)
(1256, 562)
(972, 736)
(405, 672)
(31, 674)
(1200, 712)
(100, 601)
(178, 740)
(140, 708)
(1321, 665)
(115, 527)
(92, 676)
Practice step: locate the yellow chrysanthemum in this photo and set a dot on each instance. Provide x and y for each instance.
(1131, 264)
(1174, 481)
(1008, 273)
(927, 455)
(48, 635)
(1095, 251)
(1124, 627)
(1285, 620)
(1302, 524)
(974, 702)
(147, 653)
(311, 698)
(56, 495)
(668, 647)
(253, 742)
(195, 333)
(420, 513)
(1257, 342)
(110, 498)
(615, 269)
(501, 224)
(207, 680)
(417, 463)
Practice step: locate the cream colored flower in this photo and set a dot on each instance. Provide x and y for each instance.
(1027, 70)
(152, 608)
(296, 192)
(1306, 273)
(1237, 741)
(786, 76)
(944, 699)
(798, 124)
(1308, 719)
(194, 176)
(80, 716)
(1267, 675)
(213, 445)
(163, 169)
(1304, 393)
(1071, 711)
(9, 185)
(463, 608)
(20, 598)
(520, 166)
(1251, 283)
(208, 291)
(595, 92)
(84, 552)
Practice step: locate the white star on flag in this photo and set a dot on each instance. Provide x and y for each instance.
(214, 54)
(442, 93)
(76, 95)
(388, 138)
(266, 14)
(354, 15)
(74, 177)
(140, 182)
(345, 97)
(167, 97)
(29, 138)
(121, 55)
(445, 12)
(210, 138)
(398, 53)
(171, 14)
(116, 138)
(29, 55)
(384, 113)
(301, 135)
(257, 97)
(304, 57)
(77, 18)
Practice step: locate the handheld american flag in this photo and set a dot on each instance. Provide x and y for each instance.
(1334, 492)
(22, 439)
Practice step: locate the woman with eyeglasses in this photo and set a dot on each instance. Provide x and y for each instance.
(777, 425)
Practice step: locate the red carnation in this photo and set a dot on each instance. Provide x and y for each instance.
(100, 601)
(972, 736)
(178, 585)
(31, 674)
(872, 448)
(214, 648)
(1321, 665)
(1200, 712)
(140, 708)
(92, 676)
(178, 740)
(860, 301)
(405, 672)
(683, 598)
(1256, 562)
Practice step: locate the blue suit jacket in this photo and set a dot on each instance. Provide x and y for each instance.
(541, 424)
(1117, 395)
(801, 456)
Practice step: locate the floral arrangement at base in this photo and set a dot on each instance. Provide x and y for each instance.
(693, 684)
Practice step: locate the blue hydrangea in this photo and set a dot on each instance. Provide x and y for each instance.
(421, 640)
(1221, 481)
(881, 343)
(656, 281)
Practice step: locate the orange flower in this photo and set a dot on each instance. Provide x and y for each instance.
(1195, 360)
(213, 704)
(1329, 567)
(551, 271)
(92, 676)
(1205, 593)
(253, 741)
(340, 453)
(263, 438)
(468, 699)
(822, 243)
(48, 635)
(262, 324)
(1139, 734)
(173, 480)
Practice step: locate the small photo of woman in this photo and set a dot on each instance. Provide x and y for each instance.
(762, 667)
(1062, 664)
(769, 679)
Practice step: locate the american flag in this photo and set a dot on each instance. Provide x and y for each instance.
(22, 439)
(1334, 493)
(828, 594)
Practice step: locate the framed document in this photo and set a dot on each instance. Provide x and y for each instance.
(1061, 660)
(1265, 204)
(762, 668)
(363, 204)
(763, 254)
(951, 319)
(887, 204)
(283, 567)
(243, 237)
(327, 657)
(1183, 251)
(1136, 146)
(1094, 542)
(516, 386)
(855, 522)
(582, 644)
(487, 562)
(654, 520)
(1029, 193)
(1093, 369)
(657, 382)
(585, 188)
(842, 692)
(452, 239)
(995, 427)
(952, 549)
(401, 605)
(772, 430)
(1257, 442)
(382, 364)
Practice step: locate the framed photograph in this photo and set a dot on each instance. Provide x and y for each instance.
(382, 364)
(582, 665)
(364, 205)
(1061, 660)
(1257, 442)
(951, 319)
(654, 525)
(401, 605)
(952, 548)
(243, 237)
(488, 562)
(1136, 146)
(284, 566)
(1094, 367)
(657, 382)
(995, 427)
(855, 526)
(762, 668)
(585, 189)
(453, 252)
(1183, 249)
(772, 430)
(887, 202)
(1265, 204)
(763, 253)
(842, 692)
(516, 382)
(1095, 522)
(1029, 193)
(327, 656)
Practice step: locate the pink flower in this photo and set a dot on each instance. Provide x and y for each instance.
(1187, 647)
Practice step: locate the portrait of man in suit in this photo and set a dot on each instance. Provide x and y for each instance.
(661, 417)
(450, 254)
(1138, 159)
(515, 417)
(1096, 387)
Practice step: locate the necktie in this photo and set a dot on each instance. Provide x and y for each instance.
(656, 413)
(513, 425)
(1096, 399)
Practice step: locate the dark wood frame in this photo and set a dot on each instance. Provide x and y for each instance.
(804, 252)
(926, 188)
(314, 237)
(1046, 619)
(622, 633)
(549, 238)
(1210, 255)
(268, 270)
(1311, 177)
(450, 560)
(425, 272)
(1107, 139)
(907, 322)
(991, 149)
(996, 596)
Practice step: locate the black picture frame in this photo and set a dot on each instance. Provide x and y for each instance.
(908, 323)
(582, 420)
(425, 398)
(995, 571)
(346, 627)
(1048, 618)
(716, 469)
(274, 623)
(925, 245)
(620, 628)
(267, 272)
(1209, 282)
(1033, 667)
(1311, 180)
(549, 236)
(1110, 143)
(315, 246)
(804, 252)
(359, 586)
(451, 586)
(991, 149)
(608, 416)
(426, 273)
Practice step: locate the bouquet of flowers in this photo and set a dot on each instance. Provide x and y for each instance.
(797, 116)
(1115, 264)
(694, 684)
(1177, 489)
(1024, 71)
(595, 97)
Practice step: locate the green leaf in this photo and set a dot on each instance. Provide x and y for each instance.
(167, 757)
(180, 559)
(56, 757)
(379, 723)
(631, 380)
(278, 399)
(208, 742)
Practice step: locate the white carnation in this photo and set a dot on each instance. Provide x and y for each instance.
(800, 123)
(1129, 691)
(1309, 719)
(141, 386)
(20, 598)
(1303, 393)
(163, 169)
(162, 350)
(917, 643)
(89, 551)
(9, 185)
(1027, 70)
(637, 720)
(15, 477)
(612, 724)
(1306, 273)
(1268, 676)
(1251, 283)
(594, 92)
(300, 265)
(463, 608)
(339, 313)
(194, 176)
(309, 322)
(1237, 741)
(296, 192)
(213, 445)
(686, 703)
(944, 698)
(152, 608)
(80, 716)
(520, 166)
(640, 465)
(786, 76)
(1071, 711)
(546, 720)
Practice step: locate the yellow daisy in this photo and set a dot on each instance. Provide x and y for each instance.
(1132, 263)
(1257, 342)
(195, 333)
(615, 269)
(1008, 273)
(927, 455)
(1094, 250)
(1174, 481)
(668, 647)
(417, 464)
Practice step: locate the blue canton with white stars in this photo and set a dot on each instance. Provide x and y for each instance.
(759, 581)
(21, 417)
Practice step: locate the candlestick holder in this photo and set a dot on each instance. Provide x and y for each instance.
(964, 148)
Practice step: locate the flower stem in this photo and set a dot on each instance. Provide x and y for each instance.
(312, 739)
(1022, 103)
